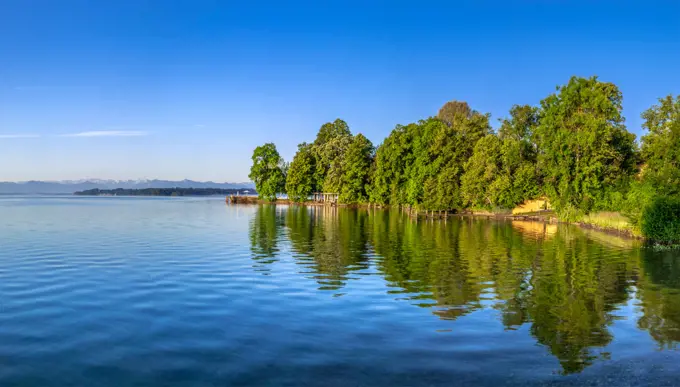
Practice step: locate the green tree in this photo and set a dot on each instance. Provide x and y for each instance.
(330, 163)
(481, 172)
(585, 151)
(661, 146)
(453, 109)
(518, 179)
(356, 170)
(452, 146)
(470, 124)
(331, 143)
(300, 182)
(331, 130)
(392, 161)
(422, 169)
(267, 171)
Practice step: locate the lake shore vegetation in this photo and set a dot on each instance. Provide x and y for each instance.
(572, 148)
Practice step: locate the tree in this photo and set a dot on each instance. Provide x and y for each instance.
(443, 166)
(330, 145)
(468, 123)
(518, 179)
(453, 109)
(392, 160)
(300, 181)
(521, 124)
(267, 171)
(330, 157)
(421, 164)
(441, 150)
(585, 151)
(481, 171)
(661, 146)
(422, 169)
(357, 163)
(331, 130)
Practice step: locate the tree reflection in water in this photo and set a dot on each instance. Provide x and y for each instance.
(565, 283)
(265, 236)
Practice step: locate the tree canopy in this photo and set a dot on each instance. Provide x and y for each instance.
(300, 182)
(357, 163)
(585, 151)
(267, 171)
(572, 148)
(661, 146)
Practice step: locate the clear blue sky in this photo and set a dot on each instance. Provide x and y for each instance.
(186, 89)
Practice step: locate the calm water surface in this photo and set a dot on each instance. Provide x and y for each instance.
(192, 292)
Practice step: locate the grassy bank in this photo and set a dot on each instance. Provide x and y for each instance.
(612, 222)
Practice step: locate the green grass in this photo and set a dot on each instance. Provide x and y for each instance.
(611, 221)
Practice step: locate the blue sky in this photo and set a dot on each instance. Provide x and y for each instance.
(186, 89)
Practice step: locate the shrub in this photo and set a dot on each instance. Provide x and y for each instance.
(639, 196)
(661, 221)
(569, 213)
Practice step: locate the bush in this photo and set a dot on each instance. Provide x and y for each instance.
(639, 197)
(569, 213)
(661, 221)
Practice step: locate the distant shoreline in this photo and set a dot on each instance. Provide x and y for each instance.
(165, 192)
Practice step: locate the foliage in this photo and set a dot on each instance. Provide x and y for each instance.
(392, 160)
(584, 147)
(501, 172)
(661, 220)
(331, 142)
(640, 195)
(267, 171)
(481, 172)
(331, 159)
(573, 149)
(452, 110)
(357, 163)
(300, 180)
(332, 130)
(421, 164)
(661, 146)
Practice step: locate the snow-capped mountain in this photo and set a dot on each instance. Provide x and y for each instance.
(71, 186)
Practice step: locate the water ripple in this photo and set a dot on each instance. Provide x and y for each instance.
(124, 291)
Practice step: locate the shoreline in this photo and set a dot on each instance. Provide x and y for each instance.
(542, 217)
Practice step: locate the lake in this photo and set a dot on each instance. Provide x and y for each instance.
(111, 291)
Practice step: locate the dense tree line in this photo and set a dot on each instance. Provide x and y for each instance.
(573, 148)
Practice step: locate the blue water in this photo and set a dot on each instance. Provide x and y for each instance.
(108, 291)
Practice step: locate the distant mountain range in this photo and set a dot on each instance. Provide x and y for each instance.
(71, 186)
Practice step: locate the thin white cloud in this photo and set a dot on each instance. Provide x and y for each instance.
(108, 133)
(2, 136)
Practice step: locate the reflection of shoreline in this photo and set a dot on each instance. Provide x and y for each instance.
(611, 239)
(626, 237)
(567, 285)
(534, 228)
